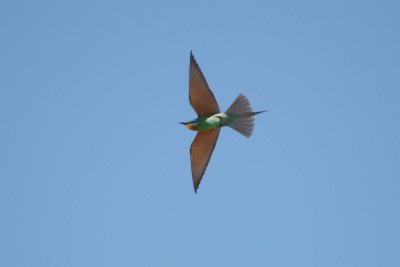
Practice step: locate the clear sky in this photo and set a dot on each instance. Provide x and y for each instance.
(95, 170)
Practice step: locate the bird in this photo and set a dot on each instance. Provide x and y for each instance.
(239, 116)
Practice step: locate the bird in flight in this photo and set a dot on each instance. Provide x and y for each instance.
(239, 116)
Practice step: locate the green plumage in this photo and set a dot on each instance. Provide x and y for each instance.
(214, 121)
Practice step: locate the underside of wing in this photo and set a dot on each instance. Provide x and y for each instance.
(200, 96)
(200, 153)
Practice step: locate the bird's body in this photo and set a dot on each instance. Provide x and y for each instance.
(214, 121)
(238, 116)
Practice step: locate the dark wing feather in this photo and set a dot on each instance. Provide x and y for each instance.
(200, 96)
(200, 153)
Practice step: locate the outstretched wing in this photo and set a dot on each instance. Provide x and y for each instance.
(200, 96)
(200, 153)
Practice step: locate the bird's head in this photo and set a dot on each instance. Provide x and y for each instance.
(191, 125)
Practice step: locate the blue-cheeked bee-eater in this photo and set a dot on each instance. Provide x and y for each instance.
(239, 116)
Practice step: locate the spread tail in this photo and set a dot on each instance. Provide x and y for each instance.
(241, 107)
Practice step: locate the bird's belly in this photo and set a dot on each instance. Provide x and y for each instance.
(209, 123)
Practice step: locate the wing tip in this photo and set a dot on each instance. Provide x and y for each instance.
(192, 56)
(197, 184)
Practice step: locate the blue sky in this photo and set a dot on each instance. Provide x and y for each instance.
(95, 169)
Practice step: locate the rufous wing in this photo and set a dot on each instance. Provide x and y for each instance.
(200, 153)
(200, 96)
